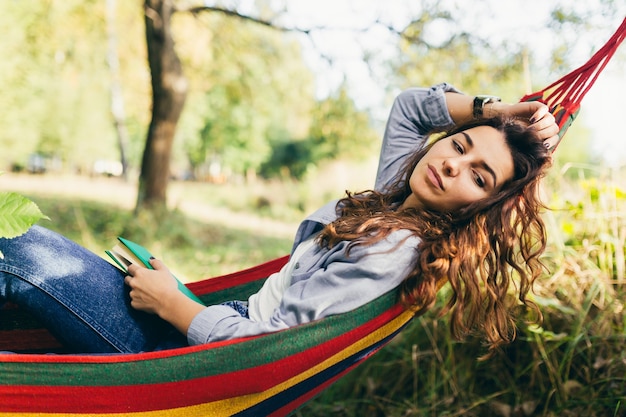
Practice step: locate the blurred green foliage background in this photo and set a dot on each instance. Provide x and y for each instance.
(257, 148)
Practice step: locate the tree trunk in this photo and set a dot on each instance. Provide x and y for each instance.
(169, 90)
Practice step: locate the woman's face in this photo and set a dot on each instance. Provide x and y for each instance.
(461, 169)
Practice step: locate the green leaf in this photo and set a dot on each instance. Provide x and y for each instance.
(17, 214)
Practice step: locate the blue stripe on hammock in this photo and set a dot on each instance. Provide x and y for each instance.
(279, 400)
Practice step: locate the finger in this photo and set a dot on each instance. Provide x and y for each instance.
(548, 132)
(132, 269)
(133, 301)
(541, 112)
(157, 264)
(552, 142)
(545, 127)
(127, 280)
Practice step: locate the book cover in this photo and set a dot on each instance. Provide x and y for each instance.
(127, 252)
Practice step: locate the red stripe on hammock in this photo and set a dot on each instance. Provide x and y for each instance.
(237, 278)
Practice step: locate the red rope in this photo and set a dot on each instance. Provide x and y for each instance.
(565, 95)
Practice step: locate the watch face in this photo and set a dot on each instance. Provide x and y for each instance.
(489, 99)
(479, 104)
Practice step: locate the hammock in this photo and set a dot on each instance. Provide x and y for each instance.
(266, 375)
(564, 96)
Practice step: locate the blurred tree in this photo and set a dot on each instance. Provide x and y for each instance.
(56, 100)
(169, 91)
(118, 112)
(339, 130)
(455, 55)
(249, 83)
(290, 159)
(33, 121)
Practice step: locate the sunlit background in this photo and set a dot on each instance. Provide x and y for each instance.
(278, 122)
(507, 22)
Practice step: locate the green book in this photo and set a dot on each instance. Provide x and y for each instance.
(127, 252)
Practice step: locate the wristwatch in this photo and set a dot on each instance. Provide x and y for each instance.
(479, 105)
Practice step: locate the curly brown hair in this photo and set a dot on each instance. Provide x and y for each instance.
(479, 249)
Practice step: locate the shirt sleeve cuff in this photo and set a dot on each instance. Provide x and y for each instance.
(203, 323)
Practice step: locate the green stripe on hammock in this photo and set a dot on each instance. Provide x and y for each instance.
(223, 358)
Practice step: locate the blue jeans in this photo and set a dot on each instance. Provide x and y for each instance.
(240, 307)
(78, 296)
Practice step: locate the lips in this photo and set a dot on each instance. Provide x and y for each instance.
(434, 177)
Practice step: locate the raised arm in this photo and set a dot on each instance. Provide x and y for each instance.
(415, 113)
(418, 111)
(461, 109)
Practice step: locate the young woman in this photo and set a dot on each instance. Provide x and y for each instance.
(463, 208)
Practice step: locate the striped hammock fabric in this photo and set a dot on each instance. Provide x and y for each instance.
(268, 375)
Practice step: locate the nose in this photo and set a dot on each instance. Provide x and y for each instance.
(451, 166)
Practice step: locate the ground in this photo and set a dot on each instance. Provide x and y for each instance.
(123, 194)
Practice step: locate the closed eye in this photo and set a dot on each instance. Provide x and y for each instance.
(479, 180)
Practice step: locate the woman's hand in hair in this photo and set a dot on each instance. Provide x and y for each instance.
(538, 116)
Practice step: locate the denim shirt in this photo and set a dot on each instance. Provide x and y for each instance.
(328, 281)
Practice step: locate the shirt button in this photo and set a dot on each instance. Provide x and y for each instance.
(297, 265)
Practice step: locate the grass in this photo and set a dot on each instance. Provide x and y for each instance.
(193, 249)
(573, 365)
